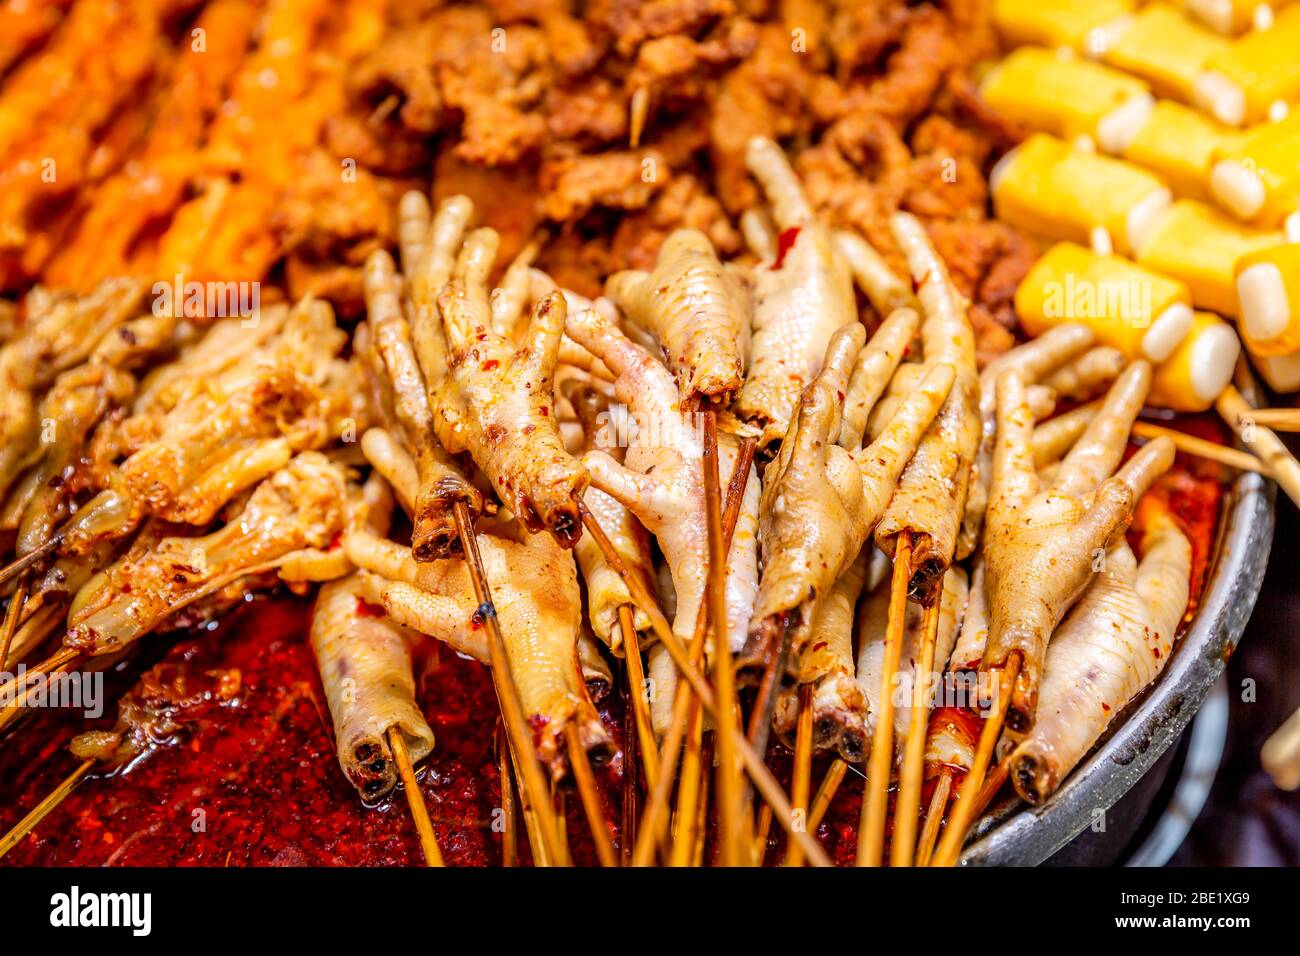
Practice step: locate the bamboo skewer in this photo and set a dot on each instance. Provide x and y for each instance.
(1278, 419)
(731, 829)
(767, 785)
(830, 785)
(645, 735)
(15, 568)
(509, 837)
(631, 774)
(57, 662)
(689, 790)
(801, 783)
(655, 816)
(526, 761)
(1282, 466)
(1212, 451)
(934, 817)
(28, 823)
(907, 807)
(640, 107)
(562, 825)
(590, 796)
(13, 615)
(954, 834)
(761, 830)
(875, 800)
(992, 785)
(415, 798)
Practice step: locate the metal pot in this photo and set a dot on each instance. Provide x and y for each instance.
(1016, 835)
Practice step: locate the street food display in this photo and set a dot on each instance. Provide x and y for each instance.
(553, 433)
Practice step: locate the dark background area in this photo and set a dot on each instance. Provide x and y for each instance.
(1248, 821)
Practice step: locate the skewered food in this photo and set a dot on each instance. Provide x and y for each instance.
(440, 482)
(1053, 189)
(802, 294)
(508, 423)
(696, 309)
(821, 501)
(661, 482)
(576, 333)
(1114, 642)
(1139, 312)
(300, 506)
(932, 491)
(1200, 246)
(1041, 542)
(1254, 176)
(1268, 288)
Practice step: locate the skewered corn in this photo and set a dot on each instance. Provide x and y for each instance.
(1140, 312)
(1167, 50)
(1258, 76)
(1060, 93)
(1200, 246)
(1268, 288)
(1257, 177)
(1048, 187)
(1200, 367)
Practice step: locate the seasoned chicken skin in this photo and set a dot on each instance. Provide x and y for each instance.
(931, 494)
(802, 294)
(661, 481)
(539, 607)
(698, 312)
(1111, 645)
(606, 590)
(1036, 359)
(1042, 544)
(303, 505)
(498, 401)
(441, 482)
(365, 668)
(839, 707)
(821, 501)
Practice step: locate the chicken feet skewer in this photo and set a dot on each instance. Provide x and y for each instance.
(1036, 359)
(441, 482)
(1114, 642)
(821, 501)
(1041, 543)
(932, 492)
(606, 590)
(801, 296)
(696, 309)
(498, 401)
(535, 592)
(661, 481)
(300, 506)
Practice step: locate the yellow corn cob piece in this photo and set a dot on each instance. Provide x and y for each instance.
(1268, 288)
(1178, 144)
(1166, 49)
(1140, 312)
(1282, 373)
(1257, 177)
(1232, 17)
(1057, 92)
(1056, 23)
(1200, 368)
(1259, 74)
(1200, 246)
(1048, 187)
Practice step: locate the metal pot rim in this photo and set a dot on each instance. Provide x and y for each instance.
(1017, 835)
